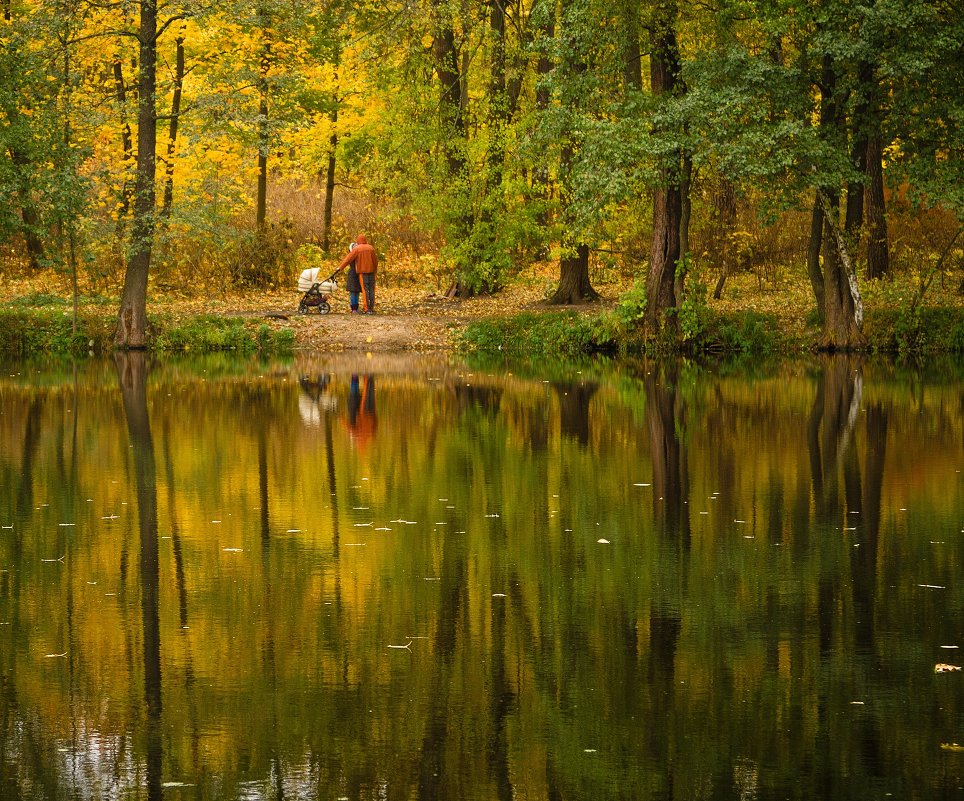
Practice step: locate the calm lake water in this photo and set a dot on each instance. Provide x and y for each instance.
(352, 578)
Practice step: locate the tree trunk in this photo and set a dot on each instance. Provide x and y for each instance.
(329, 184)
(632, 58)
(332, 156)
(815, 243)
(723, 219)
(120, 95)
(859, 140)
(28, 212)
(261, 207)
(498, 102)
(574, 284)
(450, 83)
(664, 61)
(132, 318)
(544, 67)
(686, 209)
(842, 321)
(878, 253)
(172, 128)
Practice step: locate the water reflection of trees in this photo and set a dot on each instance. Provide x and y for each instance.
(683, 654)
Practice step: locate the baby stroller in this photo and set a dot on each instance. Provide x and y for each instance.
(316, 293)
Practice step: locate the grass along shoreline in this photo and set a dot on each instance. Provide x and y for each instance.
(750, 319)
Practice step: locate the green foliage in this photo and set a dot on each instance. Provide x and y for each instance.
(214, 333)
(693, 313)
(631, 307)
(566, 333)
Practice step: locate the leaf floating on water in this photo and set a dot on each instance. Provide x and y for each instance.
(55, 656)
(857, 703)
(498, 595)
(492, 515)
(66, 524)
(952, 747)
(642, 485)
(602, 541)
(232, 550)
(406, 647)
(293, 531)
(949, 647)
(940, 667)
(932, 586)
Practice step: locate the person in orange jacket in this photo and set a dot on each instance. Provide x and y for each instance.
(365, 259)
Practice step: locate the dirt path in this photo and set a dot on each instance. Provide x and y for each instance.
(426, 323)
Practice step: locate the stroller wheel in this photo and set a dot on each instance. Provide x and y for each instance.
(324, 307)
(302, 309)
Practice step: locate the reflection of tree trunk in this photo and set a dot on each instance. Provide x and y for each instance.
(132, 374)
(574, 402)
(332, 485)
(432, 775)
(864, 558)
(31, 439)
(175, 527)
(670, 484)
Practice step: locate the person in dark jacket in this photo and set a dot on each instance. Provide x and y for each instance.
(365, 261)
(352, 284)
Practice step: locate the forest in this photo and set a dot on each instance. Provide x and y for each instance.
(183, 143)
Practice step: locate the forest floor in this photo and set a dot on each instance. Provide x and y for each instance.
(406, 318)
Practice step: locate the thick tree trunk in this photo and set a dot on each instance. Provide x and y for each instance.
(878, 253)
(664, 61)
(450, 83)
(132, 318)
(814, 246)
(842, 305)
(168, 201)
(574, 284)
(859, 140)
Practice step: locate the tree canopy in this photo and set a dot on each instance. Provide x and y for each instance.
(164, 139)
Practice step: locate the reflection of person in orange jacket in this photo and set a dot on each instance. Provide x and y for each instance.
(361, 421)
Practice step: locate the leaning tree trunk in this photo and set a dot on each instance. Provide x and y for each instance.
(664, 67)
(843, 311)
(132, 318)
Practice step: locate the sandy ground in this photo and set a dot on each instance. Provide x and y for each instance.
(405, 319)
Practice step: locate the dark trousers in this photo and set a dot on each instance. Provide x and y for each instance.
(368, 280)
